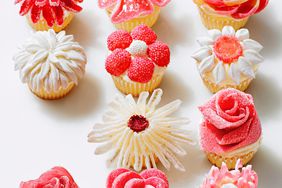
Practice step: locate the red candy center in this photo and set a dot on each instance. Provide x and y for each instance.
(138, 123)
(228, 49)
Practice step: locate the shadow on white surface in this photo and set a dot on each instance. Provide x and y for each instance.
(82, 101)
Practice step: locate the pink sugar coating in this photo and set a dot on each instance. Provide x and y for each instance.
(125, 10)
(118, 62)
(119, 39)
(141, 70)
(246, 178)
(144, 33)
(230, 122)
(123, 178)
(159, 52)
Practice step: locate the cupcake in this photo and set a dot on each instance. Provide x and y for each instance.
(139, 134)
(137, 60)
(228, 59)
(241, 177)
(124, 178)
(127, 15)
(56, 177)
(49, 14)
(231, 129)
(50, 64)
(219, 13)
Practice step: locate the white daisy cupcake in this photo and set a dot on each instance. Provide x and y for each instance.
(139, 135)
(228, 59)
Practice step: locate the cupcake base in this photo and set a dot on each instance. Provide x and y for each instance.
(230, 161)
(42, 25)
(53, 95)
(148, 20)
(213, 21)
(136, 88)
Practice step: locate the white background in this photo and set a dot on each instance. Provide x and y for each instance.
(36, 135)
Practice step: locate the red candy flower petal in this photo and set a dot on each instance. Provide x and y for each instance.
(154, 173)
(156, 182)
(59, 14)
(35, 14)
(113, 175)
(119, 39)
(144, 33)
(48, 16)
(135, 183)
(118, 62)
(70, 6)
(159, 52)
(107, 3)
(26, 6)
(141, 70)
(122, 179)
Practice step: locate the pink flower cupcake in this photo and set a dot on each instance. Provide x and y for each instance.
(223, 178)
(216, 14)
(137, 61)
(124, 178)
(43, 15)
(231, 129)
(56, 177)
(127, 15)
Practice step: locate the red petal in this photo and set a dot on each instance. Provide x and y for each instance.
(59, 14)
(41, 3)
(127, 10)
(247, 9)
(26, 6)
(70, 6)
(54, 2)
(262, 5)
(106, 3)
(160, 3)
(215, 3)
(48, 15)
(35, 14)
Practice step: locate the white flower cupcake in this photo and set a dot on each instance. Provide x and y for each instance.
(51, 64)
(228, 59)
(139, 135)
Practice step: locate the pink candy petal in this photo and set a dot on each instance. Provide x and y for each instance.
(154, 173)
(119, 39)
(106, 3)
(159, 52)
(26, 6)
(35, 14)
(135, 183)
(144, 33)
(156, 182)
(123, 178)
(113, 175)
(160, 3)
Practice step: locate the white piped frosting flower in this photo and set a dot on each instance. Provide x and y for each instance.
(228, 54)
(50, 61)
(138, 134)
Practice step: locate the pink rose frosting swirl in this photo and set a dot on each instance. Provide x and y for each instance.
(124, 178)
(57, 177)
(230, 122)
(238, 9)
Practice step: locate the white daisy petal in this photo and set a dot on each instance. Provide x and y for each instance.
(253, 56)
(252, 44)
(228, 30)
(205, 41)
(242, 34)
(206, 65)
(245, 67)
(219, 73)
(214, 34)
(202, 53)
(234, 73)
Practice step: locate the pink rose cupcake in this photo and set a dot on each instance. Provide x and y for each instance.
(127, 15)
(56, 177)
(137, 61)
(124, 178)
(231, 129)
(223, 178)
(43, 15)
(216, 14)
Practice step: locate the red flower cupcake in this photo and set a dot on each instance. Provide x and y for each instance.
(231, 129)
(49, 14)
(137, 61)
(216, 14)
(56, 177)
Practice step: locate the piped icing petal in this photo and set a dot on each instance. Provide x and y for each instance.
(207, 64)
(140, 134)
(219, 72)
(242, 34)
(49, 61)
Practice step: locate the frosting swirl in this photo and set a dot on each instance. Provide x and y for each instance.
(49, 61)
(230, 122)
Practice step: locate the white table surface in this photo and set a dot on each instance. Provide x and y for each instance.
(36, 135)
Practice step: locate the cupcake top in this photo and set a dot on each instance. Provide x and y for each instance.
(138, 134)
(56, 177)
(241, 177)
(52, 11)
(124, 178)
(230, 122)
(228, 55)
(136, 56)
(49, 61)
(122, 11)
(237, 9)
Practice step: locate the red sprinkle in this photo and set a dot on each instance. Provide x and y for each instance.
(138, 123)
(228, 49)
(118, 62)
(144, 33)
(159, 52)
(119, 39)
(141, 70)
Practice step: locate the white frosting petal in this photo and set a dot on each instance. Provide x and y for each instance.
(234, 73)
(214, 34)
(246, 68)
(219, 72)
(252, 44)
(137, 48)
(242, 34)
(205, 41)
(228, 30)
(202, 53)
(253, 56)
(50, 61)
(228, 185)
(206, 65)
